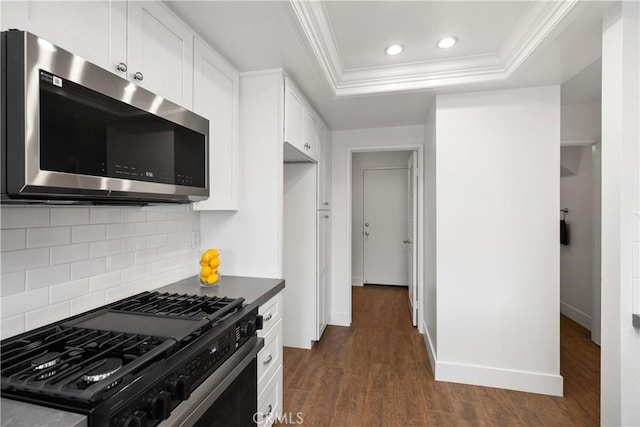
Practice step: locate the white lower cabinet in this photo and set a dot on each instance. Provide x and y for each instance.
(270, 363)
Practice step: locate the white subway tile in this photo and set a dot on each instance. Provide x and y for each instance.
(120, 262)
(179, 237)
(24, 217)
(167, 226)
(177, 215)
(105, 215)
(88, 233)
(91, 267)
(168, 252)
(143, 285)
(119, 292)
(104, 281)
(69, 216)
(12, 326)
(12, 283)
(635, 261)
(13, 240)
(69, 253)
(24, 301)
(87, 302)
(157, 240)
(156, 215)
(23, 260)
(133, 214)
(145, 257)
(118, 231)
(43, 277)
(146, 228)
(46, 237)
(133, 244)
(43, 316)
(104, 248)
(68, 291)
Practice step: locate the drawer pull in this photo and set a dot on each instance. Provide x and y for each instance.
(269, 359)
(269, 317)
(269, 409)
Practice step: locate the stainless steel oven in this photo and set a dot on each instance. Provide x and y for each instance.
(228, 398)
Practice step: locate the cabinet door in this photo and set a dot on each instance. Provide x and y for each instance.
(323, 279)
(324, 167)
(160, 52)
(94, 30)
(310, 142)
(215, 97)
(293, 118)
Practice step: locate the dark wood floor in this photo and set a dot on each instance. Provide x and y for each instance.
(376, 373)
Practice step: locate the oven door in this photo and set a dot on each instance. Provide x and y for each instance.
(228, 398)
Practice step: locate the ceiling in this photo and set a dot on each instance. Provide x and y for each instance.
(334, 50)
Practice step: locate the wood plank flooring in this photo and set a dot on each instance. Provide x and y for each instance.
(377, 373)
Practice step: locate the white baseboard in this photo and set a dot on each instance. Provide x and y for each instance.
(340, 319)
(532, 382)
(357, 281)
(428, 343)
(576, 315)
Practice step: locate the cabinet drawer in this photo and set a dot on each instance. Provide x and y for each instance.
(271, 312)
(270, 400)
(270, 357)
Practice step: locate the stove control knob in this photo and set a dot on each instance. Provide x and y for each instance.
(137, 419)
(160, 407)
(180, 388)
(248, 328)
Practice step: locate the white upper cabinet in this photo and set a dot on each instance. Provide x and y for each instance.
(160, 52)
(300, 122)
(293, 117)
(216, 97)
(324, 167)
(94, 30)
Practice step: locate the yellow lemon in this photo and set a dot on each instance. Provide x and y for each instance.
(204, 263)
(205, 271)
(214, 263)
(213, 253)
(213, 279)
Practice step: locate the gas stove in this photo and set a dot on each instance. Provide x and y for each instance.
(129, 363)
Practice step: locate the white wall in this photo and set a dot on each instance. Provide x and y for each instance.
(577, 194)
(620, 356)
(250, 240)
(581, 121)
(430, 237)
(497, 239)
(62, 261)
(361, 161)
(343, 142)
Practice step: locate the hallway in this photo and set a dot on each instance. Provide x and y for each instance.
(376, 373)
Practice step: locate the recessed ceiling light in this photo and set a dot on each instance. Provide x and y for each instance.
(447, 42)
(393, 49)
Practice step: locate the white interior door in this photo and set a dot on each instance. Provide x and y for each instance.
(385, 226)
(412, 234)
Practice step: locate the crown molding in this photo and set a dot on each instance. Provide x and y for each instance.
(536, 24)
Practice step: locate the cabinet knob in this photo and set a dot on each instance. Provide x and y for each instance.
(366, 233)
(122, 67)
(138, 76)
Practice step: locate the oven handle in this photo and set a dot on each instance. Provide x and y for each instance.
(189, 411)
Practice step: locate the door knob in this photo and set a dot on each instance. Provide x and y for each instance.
(122, 67)
(405, 241)
(366, 233)
(138, 76)
(366, 224)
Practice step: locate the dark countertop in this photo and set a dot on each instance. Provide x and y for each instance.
(255, 291)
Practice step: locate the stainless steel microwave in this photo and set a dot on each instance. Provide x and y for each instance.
(72, 131)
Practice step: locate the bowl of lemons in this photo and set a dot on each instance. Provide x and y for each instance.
(209, 265)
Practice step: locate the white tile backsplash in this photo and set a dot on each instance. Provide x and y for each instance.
(69, 215)
(88, 233)
(86, 257)
(46, 276)
(69, 253)
(24, 217)
(13, 240)
(47, 237)
(12, 283)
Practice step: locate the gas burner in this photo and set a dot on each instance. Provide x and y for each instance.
(45, 361)
(102, 369)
